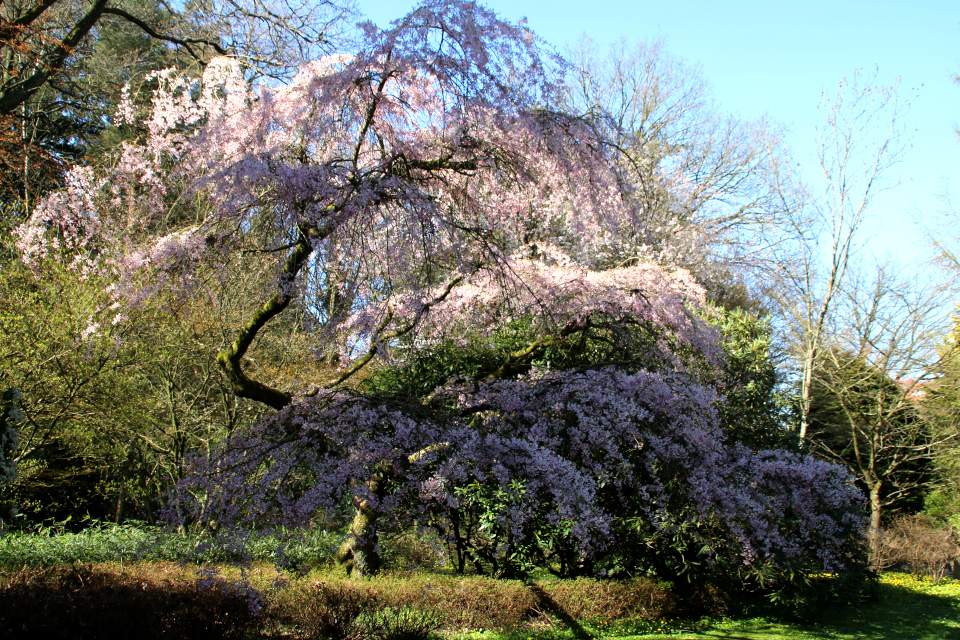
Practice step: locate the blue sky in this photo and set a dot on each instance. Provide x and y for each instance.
(776, 58)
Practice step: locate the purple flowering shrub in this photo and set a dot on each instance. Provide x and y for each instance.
(601, 467)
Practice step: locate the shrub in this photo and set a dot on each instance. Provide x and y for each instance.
(919, 543)
(398, 623)
(330, 611)
(412, 550)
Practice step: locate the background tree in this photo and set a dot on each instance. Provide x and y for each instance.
(111, 402)
(865, 399)
(64, 64)
(860, 136)
(705, 183)
(941, 408)
(754, 409)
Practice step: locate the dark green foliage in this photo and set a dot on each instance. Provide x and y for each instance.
(423, 369)
(807, 597)
(430, 369)
(754, 410)
(941, 408)
(865, 420)
(66, 485)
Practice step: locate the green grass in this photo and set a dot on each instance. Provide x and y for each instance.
(907, 609)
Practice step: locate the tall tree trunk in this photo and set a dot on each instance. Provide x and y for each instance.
(873, 533)
(124, 477)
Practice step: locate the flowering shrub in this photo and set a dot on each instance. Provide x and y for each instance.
(605, 466)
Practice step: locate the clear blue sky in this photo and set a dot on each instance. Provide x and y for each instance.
(775, 57)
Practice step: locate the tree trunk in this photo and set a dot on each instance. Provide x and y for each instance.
(360, 552)
(873, 533)
(124, 476)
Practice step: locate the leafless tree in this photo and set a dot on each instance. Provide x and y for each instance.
(707, 182)
(860, 136)
(869, 380)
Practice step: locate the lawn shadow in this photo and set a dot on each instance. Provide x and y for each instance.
(548, 605)
(900, 612)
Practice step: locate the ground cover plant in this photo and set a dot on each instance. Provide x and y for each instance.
(48, 546)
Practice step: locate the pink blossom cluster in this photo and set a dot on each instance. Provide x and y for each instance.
(555, 297)
(433, 144)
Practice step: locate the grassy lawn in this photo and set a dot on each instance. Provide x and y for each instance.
(907, 609)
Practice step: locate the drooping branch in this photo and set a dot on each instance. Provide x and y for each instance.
(521, 358)
(230, 359)
(376, 338)
(401, 166)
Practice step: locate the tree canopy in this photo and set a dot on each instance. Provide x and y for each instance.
(436, 232)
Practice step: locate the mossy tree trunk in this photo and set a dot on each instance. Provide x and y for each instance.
(360, 552)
